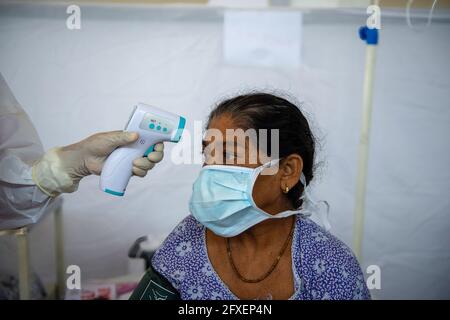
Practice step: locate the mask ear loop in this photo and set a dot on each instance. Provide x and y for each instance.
(257, 171)
(310, 206)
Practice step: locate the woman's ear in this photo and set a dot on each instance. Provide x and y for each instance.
(291, 168)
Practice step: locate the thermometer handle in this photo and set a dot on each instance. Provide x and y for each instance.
(118, 168)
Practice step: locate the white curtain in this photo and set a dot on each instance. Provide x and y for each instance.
(75, 83)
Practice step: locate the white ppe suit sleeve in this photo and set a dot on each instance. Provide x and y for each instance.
(21, 201)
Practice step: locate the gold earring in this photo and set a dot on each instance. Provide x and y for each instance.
(286, 189)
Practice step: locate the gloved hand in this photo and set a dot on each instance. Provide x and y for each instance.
(61, 169)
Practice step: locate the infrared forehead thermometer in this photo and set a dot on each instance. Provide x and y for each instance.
(153, 125)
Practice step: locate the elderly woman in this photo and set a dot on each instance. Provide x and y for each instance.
(247, 237)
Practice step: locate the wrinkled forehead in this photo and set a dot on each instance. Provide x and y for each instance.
(222, 123)
(226, 130)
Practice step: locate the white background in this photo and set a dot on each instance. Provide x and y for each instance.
(75, 83)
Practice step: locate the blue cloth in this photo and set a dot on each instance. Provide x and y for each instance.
(323, 266)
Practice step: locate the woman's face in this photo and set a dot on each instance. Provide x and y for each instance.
(220, 148)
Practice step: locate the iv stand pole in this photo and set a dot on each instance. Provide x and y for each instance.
(371, 38)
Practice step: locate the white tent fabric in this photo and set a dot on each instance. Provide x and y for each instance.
(74, 83)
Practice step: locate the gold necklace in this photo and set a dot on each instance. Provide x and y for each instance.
(272, 267)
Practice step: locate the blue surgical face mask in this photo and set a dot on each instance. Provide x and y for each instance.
(222, 198)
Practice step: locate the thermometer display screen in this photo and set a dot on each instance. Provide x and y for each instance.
(158, 124)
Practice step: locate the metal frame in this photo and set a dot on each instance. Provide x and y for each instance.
(363, 148)
(23, 253)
